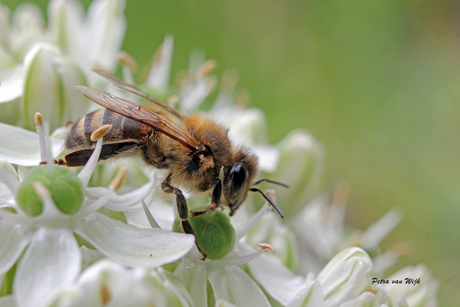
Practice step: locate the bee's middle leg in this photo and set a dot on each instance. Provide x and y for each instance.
(215, 200)
(182, 210)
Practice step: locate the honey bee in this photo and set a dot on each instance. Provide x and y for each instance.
(193, 148)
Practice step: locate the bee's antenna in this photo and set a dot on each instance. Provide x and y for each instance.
(271, 181)
(269, 200)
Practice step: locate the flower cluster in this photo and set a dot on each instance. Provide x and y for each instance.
(104, 235)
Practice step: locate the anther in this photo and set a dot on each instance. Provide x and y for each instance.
(206, 68)
(119, 179)
(100, 132)
(265, 247)
(38, 120)
(126, 60)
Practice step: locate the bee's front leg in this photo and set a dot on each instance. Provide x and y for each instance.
(182, 210)
(215, 200)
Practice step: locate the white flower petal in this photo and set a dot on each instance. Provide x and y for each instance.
(7, 301)
(344, 276)
(378, 231)
(244, 228)
(175, 291)
(41, 86)
(49, 80)
(6, 197)
(128, 202)
(159, 73)
(384, 261)
(271, 230)
(401, 302)
(248, 126)
(422, 294)
(51, 263)
(95, 205)
(164, 213)
(131, 245)
(366, 299)
(300, 167)
(12, 84)
(234, 260)
(109, 284)
(235, 286)
(269, 157)
(310, 296)
(27, 28)
(90, 256)
(224, 303)
(193, 277)
(196, 94)
(65, 22)
(9, 180)
(104, 32)
(21, 146)
(13, 240)
(279, 282)
(318, 227)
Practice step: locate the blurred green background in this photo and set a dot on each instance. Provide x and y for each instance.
(377, 82)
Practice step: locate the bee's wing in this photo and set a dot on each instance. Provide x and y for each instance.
(118, 83)
(140, 114)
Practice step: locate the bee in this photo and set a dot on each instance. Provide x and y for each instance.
(194, 149)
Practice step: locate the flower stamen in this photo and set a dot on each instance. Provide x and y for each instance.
(127, 61)
(206, 68)
(49, 207)
(88, 169)
(45, 150)
(119, 179)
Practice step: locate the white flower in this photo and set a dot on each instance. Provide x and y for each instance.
(108, 283)
(49, 80)
(321, 233)
(40, 67)
(158, 78)
(343, 279)
(94, 39)
(418, 287)
(196, 84)
(53, 254)
(272, 230)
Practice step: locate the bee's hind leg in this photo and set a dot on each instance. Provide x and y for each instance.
(58, 162)
(215, 200)
(182, 210)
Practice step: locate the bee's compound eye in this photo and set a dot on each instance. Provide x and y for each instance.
(238, 175)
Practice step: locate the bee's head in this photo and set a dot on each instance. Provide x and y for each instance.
(239, 178)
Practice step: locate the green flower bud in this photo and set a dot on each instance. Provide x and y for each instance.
(214, 233)
(66, 191)
(48, 85)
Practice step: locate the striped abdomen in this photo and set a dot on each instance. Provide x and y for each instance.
(126, 135)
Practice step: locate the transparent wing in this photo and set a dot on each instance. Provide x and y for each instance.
(118, 83)
(140, 114)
